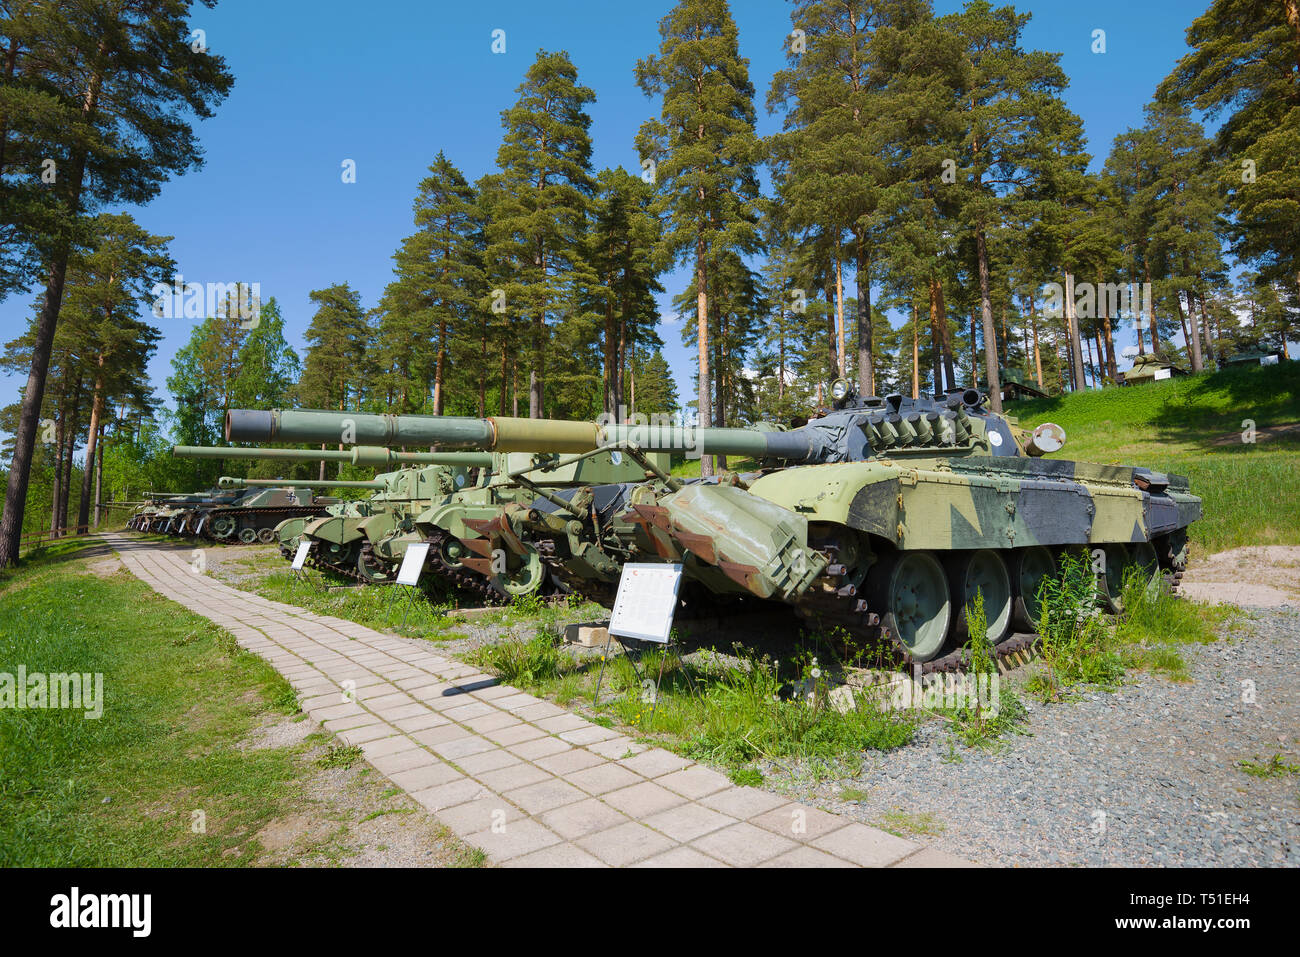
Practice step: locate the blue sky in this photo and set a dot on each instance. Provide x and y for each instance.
(391, 82)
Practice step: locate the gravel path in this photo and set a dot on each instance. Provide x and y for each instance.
(1146, 775)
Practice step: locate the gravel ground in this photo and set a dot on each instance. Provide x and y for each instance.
(1102, 779)
(1145, 775)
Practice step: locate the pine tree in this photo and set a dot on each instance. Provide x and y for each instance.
(1021, 136)
(702, 151)
(539, 218)
(1242, 68)
(116, 84)
(624, 253)
(334, 367)
(834, 153)
(439, 279)
(109, 283)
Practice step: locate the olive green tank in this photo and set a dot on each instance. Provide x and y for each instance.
(526, 468)
(364, 539)
(883, 517)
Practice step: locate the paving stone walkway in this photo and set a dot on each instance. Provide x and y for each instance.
(528, 782)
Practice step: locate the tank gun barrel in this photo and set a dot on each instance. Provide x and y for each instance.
(505, 434)
(227, 481)
(363, 455)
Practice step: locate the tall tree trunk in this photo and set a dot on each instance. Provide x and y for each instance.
(1193, 339)
(482, 371)
(1038, 359)
(974, 349)
(866, 373)
(986, 314)
(1205, 325)
(99, 476)
(20, 468)
(945, 336)
(56, 492)
(936, 345)
(720, 380)
(839, 310)
(780, 360)
(627, 356)
(832, 362)
(92, 438)
(74, 426)
(505, 379)
(704, 414)
(1112, 364)
(438, 373)
(916, 354)
(1151, 309)
(611, 361)
(1074, 335)
(1182, 319)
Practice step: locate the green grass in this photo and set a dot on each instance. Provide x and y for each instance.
(179, 696)
(1082, 646)
(1251, 492)
(690, 468)
(375, 606)
(340, 756)
(729, 715)
(1274, 767)
(902, 824)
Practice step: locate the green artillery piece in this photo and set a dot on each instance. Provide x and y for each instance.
(363, 539)
(884, 517)
(527, 469)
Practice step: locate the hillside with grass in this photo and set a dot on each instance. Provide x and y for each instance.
(1197, 426)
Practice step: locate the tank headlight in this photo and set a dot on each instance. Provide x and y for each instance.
(839, 389)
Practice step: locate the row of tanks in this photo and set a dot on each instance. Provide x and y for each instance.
(226, 514)
(882, 517)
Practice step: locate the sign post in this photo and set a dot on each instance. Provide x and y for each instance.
(300, 558)
(643, 610)
(408, 574)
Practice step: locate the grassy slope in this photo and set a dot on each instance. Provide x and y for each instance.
(1251, 493)
(179, 696)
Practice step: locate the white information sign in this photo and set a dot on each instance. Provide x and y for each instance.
(646, 602)
(412, 564)
(300, 555)
(1163, 374)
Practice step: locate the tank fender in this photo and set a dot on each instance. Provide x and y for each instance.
(758, 544)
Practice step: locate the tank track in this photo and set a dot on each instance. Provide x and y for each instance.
(347, 571)
(463, 579)
(274, 517)
(827, 601)
(602, 593)
(368, 556)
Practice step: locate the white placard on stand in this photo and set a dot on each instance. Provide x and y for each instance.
(646, 602)
(412, 563)
(300, 556)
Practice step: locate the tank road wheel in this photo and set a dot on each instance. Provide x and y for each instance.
(525, 578)
(1029, 566)
(223, 527)
(248, 535)
(911, 590)
(266, 535)
(1120, 559)
(370, 568)
(982, 572)
(451, 553)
